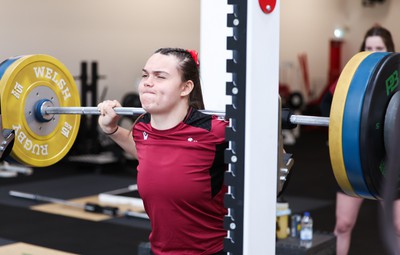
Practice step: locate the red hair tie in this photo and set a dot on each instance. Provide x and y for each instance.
(195, 56)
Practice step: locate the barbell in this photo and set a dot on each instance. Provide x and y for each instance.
(40, 102)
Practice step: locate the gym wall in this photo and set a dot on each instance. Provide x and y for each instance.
(119, 34)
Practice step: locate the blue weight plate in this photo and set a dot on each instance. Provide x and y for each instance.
(336, 122)
(352, 125)
(381, 87)
(6, 63)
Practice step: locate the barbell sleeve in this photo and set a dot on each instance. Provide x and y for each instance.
(290, 120)
(309, 120)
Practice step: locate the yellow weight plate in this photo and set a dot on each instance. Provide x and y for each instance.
(336, 122)
(26, 81)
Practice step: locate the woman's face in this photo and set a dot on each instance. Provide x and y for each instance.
(375, 43)
(161, 87)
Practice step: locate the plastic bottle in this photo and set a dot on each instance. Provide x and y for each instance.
(306, 232)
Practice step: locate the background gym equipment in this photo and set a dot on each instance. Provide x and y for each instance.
(39, 101)
(7, 142)
(12, 170)
(87, 207)
(87, 141)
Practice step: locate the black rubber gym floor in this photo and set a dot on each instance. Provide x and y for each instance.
(312, 187)
(67, 234)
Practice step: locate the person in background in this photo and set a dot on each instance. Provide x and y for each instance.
(377, 39)
(180, 152)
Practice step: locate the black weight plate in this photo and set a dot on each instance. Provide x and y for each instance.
(382, 85)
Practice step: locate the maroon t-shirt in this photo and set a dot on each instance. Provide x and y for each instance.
(180, 179)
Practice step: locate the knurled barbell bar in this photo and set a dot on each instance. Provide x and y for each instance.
(46, 112)
(39, 101)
